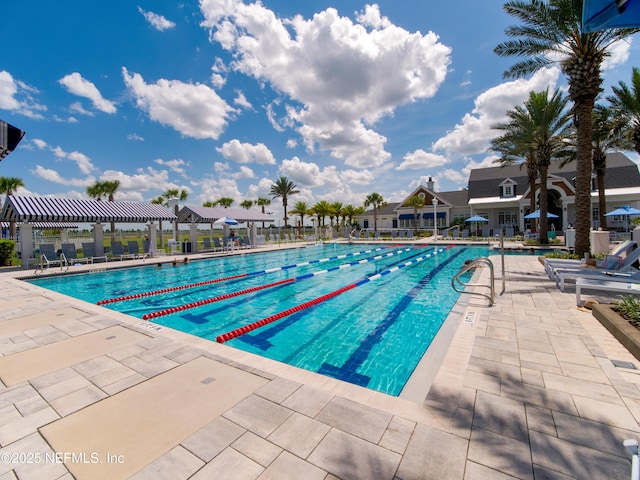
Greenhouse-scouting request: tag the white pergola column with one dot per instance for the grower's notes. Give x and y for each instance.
(193, 236)
(152, 239)
(98, 239)
(26, 243)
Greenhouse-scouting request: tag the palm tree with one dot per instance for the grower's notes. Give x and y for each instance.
(350, 211)
(246, 204)
(263, 202)
(625, 103)
(552, 33)
(106, 188)
(226, 202)
(542, 127)
(416, 202)
(606, 137)
(376, 201)
(8, 185)
(302, 209)
(283, 188)
(514, 151)
(321, 210)
(181, 195)
(210, 203)
(336, 211)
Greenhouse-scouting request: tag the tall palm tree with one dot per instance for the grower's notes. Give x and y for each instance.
(263, 202)
(8, 185)
(543, 126)
(350, 211)
(302, 209)
(551, 33)
(321, 210)
(416, 202)
(376, 201)
(106, 188)
(283, 188)
(514, 151)
(181, 195)
(246, 204)
(625, 103)
(336, 211)
(210, 203)
(606, 137)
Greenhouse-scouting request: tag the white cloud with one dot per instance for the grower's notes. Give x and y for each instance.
(41, 144)
(474, 133)
(75, 84)
(83, 162)
(244, 172)
(156, 21)
(194, 110)
(343, 75)
(135, 136)
(247, 153)
(17, 97)
(55, 177)
(241, 100)
(78, 108)
(422, 160)
(176, 165)
(144, 180)
(618, 54)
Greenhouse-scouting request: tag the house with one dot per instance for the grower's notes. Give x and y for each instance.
(503, 196)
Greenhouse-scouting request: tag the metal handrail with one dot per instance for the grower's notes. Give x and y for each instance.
(474, 264)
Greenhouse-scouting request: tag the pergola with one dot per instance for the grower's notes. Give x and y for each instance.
(194, 215)
(30, 211)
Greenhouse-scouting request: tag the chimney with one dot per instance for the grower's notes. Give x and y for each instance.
(430, 184)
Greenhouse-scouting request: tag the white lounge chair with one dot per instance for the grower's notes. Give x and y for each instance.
(608, 286)
(626, 272)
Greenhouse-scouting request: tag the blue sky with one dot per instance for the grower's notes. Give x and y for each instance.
(221, 97)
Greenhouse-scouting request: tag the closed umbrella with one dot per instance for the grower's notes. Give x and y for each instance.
(475, 219)
(624, 211)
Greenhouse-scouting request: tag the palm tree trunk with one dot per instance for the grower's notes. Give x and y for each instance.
(583, 110)
(602, 200)
(544, 205)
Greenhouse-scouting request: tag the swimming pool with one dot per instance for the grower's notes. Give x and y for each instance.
(360, 313)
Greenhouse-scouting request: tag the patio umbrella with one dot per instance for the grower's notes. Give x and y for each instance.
(603, 14)
(536, 214)
(226, 221)
(624, 211)
(475, 219)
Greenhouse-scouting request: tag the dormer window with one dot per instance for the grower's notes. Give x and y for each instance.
(508, 188)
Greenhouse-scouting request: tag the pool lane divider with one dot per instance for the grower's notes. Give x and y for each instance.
(233, 277)
(267, 320)
(348, 371)
(207, 301)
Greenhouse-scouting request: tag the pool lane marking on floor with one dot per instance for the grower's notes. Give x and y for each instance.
(261, 339)
(348, 371)
(267, 320)
(207, 301)
(232, 277)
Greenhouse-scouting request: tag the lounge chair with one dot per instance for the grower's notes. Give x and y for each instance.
(486, 232)
(465, 233)
(509, 232)
(48, 255)
(625, 272)
(71, 254)
(206, 245)
(553, 264)
(619, 286)
(217, 244)
(245, 242)
(89, 250)
(117, 250)
(134, 249)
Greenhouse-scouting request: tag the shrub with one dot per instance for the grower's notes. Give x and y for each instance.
(6, 252)
(629, 308)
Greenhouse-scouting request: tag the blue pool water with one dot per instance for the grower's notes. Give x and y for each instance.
(372, 335)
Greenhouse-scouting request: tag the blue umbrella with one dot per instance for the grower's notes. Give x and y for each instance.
(623, 211)
(226, 221)
(536, 214)
(476, 219)
(603, 14)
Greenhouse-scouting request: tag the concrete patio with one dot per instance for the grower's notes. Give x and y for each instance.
(526, 389)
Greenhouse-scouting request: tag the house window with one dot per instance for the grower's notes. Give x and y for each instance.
(507, 218)
(508, 190)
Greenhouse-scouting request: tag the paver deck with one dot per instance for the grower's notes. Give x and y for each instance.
(525, 389)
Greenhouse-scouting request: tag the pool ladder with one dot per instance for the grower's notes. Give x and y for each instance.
(478, 262)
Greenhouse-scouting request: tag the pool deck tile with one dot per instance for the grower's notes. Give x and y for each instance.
(524, 389)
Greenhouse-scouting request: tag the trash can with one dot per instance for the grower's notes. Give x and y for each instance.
(186, 247)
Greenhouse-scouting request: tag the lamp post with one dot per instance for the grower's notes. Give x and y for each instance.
(434, 201)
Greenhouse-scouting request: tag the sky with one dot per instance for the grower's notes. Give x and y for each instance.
(221, 97)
